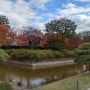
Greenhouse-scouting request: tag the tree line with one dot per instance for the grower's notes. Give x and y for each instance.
(59, 34)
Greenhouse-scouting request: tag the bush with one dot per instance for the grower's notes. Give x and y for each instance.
(68, 53)
(6, 86)
(24, 54)
(3, 55)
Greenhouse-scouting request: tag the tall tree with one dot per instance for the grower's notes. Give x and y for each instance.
(4, 20)
(65, 26)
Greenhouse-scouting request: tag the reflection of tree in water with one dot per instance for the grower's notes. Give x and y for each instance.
(28, 78)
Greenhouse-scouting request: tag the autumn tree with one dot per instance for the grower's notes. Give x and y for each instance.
(3, 33)
(11, 37)
(56, 41)
(64, 26)
(31, 35)
(4, 20)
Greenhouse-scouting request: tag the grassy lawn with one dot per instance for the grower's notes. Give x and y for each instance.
(68, 83)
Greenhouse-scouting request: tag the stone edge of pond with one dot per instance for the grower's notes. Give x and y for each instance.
(54, 63)
(42, 64)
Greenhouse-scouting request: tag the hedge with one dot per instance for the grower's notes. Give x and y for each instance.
(24, 54)
(22, 47)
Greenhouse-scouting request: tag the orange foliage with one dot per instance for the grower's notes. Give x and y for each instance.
(21, 40)
(43, 42)
(54, 36)
(11, 38)
(75, 44)
(3, 33)
(3, 28)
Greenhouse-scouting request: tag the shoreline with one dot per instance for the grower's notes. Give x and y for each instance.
(53, 63)
(42, 64)
(69, 83)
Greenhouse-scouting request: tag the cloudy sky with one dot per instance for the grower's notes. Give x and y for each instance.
(38, 12)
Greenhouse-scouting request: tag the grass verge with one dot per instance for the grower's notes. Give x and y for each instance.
(68, 83)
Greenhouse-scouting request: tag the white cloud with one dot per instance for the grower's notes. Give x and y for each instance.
(53, 16)
(71, 9)
(82, 21)
(22, 12)
(39, 4)
(83, 0)
(39, 25)
(78, 14)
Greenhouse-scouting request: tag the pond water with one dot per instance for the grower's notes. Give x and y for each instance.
(26, 78)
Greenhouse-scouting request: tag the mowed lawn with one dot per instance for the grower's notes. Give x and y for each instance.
(68, 83)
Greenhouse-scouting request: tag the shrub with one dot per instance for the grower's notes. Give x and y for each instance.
(23, 54)
(68, 53)
(3, 55)
(6, 86)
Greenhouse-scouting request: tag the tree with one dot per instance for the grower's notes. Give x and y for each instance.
(11, 37)
(64, 26)
(31, 35)
(85, 35)
(82, 54)
(4, 20)
(56, 41)
(3, 33)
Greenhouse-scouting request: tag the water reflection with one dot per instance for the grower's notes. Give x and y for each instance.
(37, 82)
(26, 77)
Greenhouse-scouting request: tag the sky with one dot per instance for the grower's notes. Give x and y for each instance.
(36, 13)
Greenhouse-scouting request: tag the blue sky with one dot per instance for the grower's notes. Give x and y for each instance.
(38, 12)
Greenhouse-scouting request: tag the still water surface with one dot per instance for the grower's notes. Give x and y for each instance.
(26, 78)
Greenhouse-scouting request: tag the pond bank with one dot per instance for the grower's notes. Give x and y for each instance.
(54, 63)
(69, 83)
(42, 64)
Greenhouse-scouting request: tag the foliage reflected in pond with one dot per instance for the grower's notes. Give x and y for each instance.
(26, 77)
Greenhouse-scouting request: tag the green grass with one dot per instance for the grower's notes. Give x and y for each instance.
(68, 83)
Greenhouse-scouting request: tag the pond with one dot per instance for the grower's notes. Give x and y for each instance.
(26, 78)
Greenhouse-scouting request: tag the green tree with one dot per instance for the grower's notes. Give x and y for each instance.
(85, 35)
(82, 54)
(64, 26)
(4, 20)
